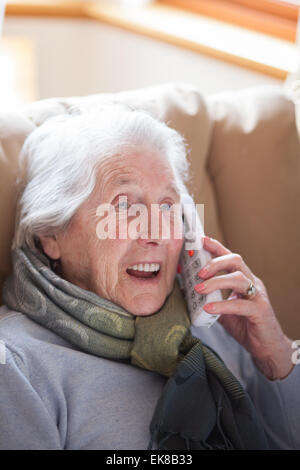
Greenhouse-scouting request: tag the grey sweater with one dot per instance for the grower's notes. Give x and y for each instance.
(53, 396)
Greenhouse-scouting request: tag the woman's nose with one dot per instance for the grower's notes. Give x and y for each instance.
(148, 237)
(147, 242)
(153, 232)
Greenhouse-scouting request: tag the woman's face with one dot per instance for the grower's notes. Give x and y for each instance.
(103, 265)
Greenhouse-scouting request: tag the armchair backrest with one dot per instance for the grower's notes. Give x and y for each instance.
(244, 155)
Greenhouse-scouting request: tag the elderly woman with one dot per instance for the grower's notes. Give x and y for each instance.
(100, 353)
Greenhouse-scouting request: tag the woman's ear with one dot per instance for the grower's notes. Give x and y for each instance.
(50, 246)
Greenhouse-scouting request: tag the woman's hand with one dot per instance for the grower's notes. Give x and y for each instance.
(251, 321)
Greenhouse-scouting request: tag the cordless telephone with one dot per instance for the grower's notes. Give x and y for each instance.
(192, 259)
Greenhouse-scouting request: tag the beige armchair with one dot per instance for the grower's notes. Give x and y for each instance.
(244, 152)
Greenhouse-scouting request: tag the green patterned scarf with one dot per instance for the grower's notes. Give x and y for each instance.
(202, 406)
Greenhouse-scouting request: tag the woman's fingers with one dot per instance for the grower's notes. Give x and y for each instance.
(214, 247)
(231, 307)
(237, 281)
(231, 262)
(223, 260)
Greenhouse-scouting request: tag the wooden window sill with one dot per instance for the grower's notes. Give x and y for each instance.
(271, 17)
(45, 8)
(256, 51)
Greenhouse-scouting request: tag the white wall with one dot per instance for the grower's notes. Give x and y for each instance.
(78, 57)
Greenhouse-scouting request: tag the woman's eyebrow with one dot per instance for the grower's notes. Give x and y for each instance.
(129, 181)
(120, 182)
(173, 187)
(124, 181)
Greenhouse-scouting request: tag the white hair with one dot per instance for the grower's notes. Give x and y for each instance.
(63, 154)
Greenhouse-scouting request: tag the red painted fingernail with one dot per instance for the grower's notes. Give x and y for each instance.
(210, 307)
(203, 271)
(179, 269)
(200, 287)
(191, 252)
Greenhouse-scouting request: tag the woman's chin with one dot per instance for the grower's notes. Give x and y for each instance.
(144, 302)
(144, 307)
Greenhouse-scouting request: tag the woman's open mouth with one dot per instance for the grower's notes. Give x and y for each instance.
(144, 271)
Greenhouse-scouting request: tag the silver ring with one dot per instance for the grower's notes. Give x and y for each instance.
(251, 291)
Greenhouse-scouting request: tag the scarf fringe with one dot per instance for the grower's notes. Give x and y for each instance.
(227, 444)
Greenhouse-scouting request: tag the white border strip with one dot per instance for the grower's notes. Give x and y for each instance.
(2, 13)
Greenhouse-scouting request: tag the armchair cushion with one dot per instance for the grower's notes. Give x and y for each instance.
(254, 165)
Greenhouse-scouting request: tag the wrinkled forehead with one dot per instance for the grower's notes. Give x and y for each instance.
(136, 170)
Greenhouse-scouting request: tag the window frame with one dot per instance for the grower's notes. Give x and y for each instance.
(138, 23)
(273, 17)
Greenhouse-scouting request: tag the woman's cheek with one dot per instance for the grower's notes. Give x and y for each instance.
(177, 246)
(121, 226)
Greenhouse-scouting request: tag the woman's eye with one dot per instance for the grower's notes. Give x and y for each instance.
(166, 206)
(123, 205)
